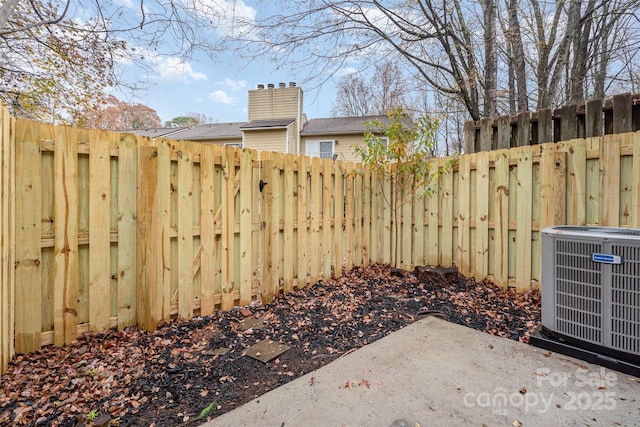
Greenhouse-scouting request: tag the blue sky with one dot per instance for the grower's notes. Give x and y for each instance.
(218, 87)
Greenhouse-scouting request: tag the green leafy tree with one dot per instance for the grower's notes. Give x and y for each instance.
(400, 152)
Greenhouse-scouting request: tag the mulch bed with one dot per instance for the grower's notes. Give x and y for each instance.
(190, 372)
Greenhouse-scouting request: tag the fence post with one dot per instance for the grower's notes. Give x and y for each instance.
(7, 238)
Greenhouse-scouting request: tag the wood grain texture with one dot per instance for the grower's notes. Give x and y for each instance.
(99, 230)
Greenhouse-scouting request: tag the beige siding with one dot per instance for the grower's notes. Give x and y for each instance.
(278, 103)
(343, 148)
(266, 139)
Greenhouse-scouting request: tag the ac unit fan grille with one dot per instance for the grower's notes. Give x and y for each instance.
(625, 300)
(578, 290)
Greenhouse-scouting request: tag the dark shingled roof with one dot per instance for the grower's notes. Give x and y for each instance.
(155, 132)
(261, 124)
(340, 125)
(212, 131)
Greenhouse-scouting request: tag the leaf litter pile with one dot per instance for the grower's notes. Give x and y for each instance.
(189, 372)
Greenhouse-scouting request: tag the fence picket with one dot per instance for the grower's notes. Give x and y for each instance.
(482, 215)
(446, 236)
(247, 259)
(66, 236)
(303, 221)
(185, 232)
(327, 213)
(99, 230)
(339, 218)
(8, 239)
(288, 213)
(127, 212)
(523, 221)
(501, 221)
(464, 209)
(28, 295)
(316, 203)
(610, 180)
(207, 231)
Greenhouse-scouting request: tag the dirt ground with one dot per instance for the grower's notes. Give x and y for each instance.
(190, 372)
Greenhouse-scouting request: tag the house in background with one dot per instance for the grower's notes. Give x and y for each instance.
(277, 123)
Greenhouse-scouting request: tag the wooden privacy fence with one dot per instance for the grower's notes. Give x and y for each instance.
(107, 230)
(596, 117)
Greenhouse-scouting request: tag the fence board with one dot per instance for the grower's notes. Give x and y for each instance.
(289, 215)
(482, 215)
(376, 219)
(501, 221)
(316, 203)
(406, 224)
(28, 295)
(523, 221)
(349, 243)
(366, 215)
(303, 221)
(66, 236)
(446, 236)
(99, 230)
(208, 254)
(247, 260)
(163, 230)
(339, 218)
(464, 208)
(185, 233)
(354, 218)
(610, 180)
(149, 311)
(8, 237)
(327, 213)
(388, 240)
(433, 203)
(418, 230)
(577, 176)
(127, 212)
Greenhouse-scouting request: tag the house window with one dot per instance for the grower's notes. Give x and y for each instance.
(233, 144)
(322, 149)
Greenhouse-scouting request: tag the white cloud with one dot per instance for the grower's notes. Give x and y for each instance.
(221, 97)
(346, 71)
(175, 70)
(234, 85)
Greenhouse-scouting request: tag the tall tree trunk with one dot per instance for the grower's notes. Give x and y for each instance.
(581, 39)
(517, 57)
(491, 59)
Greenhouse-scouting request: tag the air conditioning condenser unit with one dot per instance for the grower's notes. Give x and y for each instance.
(591, 294)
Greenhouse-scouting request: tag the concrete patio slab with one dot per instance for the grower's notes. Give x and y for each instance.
(436, 373)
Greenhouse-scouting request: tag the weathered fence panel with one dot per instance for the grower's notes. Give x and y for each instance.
(615, 115)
